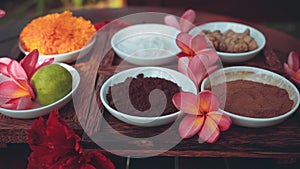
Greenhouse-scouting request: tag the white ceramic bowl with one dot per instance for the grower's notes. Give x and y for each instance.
(257, 75)
(64, 57)
(239, 28)
(181, 80)
(44, 110)
(146, 44)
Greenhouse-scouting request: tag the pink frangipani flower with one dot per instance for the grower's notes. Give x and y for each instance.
(291, 68)
(195, 45)
(196, 60)
(16, 91)
(202, 116)
(185, 23)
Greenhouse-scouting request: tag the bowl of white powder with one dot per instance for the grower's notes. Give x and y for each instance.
(146, 44)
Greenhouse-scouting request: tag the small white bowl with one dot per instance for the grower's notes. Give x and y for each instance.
(64, 57)
(44, 110)
(257, 75)
(181, 80)
(239, 28)
(146, 44)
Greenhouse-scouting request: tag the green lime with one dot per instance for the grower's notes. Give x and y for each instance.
(51, 83)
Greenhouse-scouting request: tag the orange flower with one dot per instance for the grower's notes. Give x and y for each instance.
(203, 116)
(57, 33)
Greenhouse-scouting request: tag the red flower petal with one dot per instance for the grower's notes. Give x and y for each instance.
(98, 160)
(55, 146)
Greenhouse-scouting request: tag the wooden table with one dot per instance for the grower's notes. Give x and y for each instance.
(280, 141)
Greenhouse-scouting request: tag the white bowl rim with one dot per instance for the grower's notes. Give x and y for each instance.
(249, 68)
(89, 44)
(74, 88)
(104, 100)
(262, 36)
(114, 44)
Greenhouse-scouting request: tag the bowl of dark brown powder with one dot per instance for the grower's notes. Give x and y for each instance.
(142, 96)
(253, 97)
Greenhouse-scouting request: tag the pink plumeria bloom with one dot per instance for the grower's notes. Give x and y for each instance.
(16, 91)
(202, 116)
(291, 68)
(196, 60)
(191, 46)
(2, 13)
(185, 23)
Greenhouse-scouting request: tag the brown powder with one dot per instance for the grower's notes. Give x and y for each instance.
(253, 99)
(146, 97)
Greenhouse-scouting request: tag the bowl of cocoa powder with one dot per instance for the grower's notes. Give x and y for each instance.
(234, 42)
(142, 96)
(253, 97)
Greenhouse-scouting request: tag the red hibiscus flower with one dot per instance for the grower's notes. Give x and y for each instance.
(55, 146)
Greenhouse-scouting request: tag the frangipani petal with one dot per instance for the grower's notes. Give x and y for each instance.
(223, 121)
(211, 54)
(186, 102)
(16, 71)
(190, 125)
(46, 62)
(172, 21)
(293, 61)
(17, 104)
(3, 65)
(29, 62)
(208, 101)
(24, 103)
(186, 20)
(210, 131)
(183, 41)
(296, 77)
(197, 70)
(183, 63)
(4, 78)
(19, 76)
(288, 70)
(10, 90)
(198, 43)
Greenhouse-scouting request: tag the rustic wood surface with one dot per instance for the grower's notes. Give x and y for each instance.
(280, 141)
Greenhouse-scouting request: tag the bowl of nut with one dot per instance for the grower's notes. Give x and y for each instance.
(234, 42)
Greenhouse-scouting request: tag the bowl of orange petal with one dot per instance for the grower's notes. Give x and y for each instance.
(61, 36)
